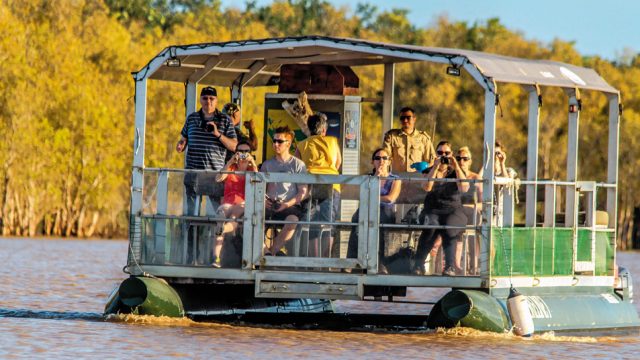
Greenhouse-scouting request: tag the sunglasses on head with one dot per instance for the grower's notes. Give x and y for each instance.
(405, 117)
(380, 158)
(279, 141)
(465, 158)
(443, 152)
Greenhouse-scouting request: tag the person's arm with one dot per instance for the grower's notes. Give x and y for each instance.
(393, 193)
(226, 139)
(253, 138)
(431, 175)
(227, 167)
(430, 154)
(182, 144)
(338, 160)
(386, 144)
(463, 186)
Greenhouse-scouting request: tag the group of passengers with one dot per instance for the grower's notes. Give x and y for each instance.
(211, 137)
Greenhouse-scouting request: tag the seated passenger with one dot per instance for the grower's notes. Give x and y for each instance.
(321, 155)
(442, 200)
(283, 200)
(233, 201)
(471, 207)
(389, 192)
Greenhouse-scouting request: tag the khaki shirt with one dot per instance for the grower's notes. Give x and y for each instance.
(408, 149)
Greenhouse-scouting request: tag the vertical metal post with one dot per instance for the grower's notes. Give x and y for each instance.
(387, 104)
(162, 193)
(190, 97)
(236, 97)
(571, 211)
(532, 156)
(137, 176)
(612, 158)
(488, 180)
(372, 225)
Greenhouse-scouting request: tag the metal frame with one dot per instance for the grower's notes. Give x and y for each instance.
(358, 52)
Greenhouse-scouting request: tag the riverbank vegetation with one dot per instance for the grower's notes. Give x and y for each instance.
(66, 98)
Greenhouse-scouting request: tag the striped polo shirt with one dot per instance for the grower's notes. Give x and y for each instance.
(204, 151)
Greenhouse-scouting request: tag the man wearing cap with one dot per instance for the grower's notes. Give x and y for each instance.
(207, 135)
(408, 145)
(233, 111)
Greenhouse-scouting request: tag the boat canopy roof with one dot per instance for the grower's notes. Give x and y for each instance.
(258, 62)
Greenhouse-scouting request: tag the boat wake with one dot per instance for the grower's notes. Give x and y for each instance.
(51, 315)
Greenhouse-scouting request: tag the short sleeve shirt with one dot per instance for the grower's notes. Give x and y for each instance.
(406, 149)
(204, 151)
(283, 191)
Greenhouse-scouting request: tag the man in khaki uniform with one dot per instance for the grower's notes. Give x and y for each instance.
(408, 145)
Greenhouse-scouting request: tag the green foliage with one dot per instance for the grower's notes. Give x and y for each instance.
(67, 98)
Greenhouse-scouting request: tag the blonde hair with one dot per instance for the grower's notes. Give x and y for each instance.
(465, 149)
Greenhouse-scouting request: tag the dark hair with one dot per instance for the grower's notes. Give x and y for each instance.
(499, 144)
(317, 123)
(376, 151)
(243, 142)
(407, 108)
(444, 142)
(285, 130)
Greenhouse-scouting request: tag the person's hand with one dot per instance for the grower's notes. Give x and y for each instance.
(248, 124)
(501, 156)
(215, 131)
(268, 203)
(181, 145)
(454, 162)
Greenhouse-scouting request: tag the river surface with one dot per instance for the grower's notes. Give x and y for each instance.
(53, 293)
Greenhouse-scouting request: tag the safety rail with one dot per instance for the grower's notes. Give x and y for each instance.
(174, 242)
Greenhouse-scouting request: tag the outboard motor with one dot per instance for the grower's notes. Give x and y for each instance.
(518, 308)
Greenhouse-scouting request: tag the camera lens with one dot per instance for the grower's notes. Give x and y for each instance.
(444, 160)
(209, 128)
(243, 156)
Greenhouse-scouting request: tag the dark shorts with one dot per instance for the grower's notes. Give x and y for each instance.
(281, 215)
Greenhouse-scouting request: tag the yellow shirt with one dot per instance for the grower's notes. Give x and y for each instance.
(406, 149)
(320, 154)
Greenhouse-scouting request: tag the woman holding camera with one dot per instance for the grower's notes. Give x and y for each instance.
(233, 201)
(442, 201)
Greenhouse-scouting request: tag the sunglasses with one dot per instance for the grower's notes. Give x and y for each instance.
(208, 98)
(279, 141)
(465, 158)
(405, 117)
(443, 153)
(380, 158)
(243, 151)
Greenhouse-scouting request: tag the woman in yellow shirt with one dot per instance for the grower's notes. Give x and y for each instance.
(321, 155)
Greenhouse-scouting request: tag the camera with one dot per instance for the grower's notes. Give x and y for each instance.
(276, 205)
(444, 160)
(243, 156)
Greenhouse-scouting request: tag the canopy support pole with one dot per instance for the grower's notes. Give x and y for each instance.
(488, 180)
(532, 155)
(387, 104)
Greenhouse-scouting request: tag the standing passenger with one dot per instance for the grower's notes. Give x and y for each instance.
(408, 145)
(233, 111)
(321, 155)
(207, 135)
